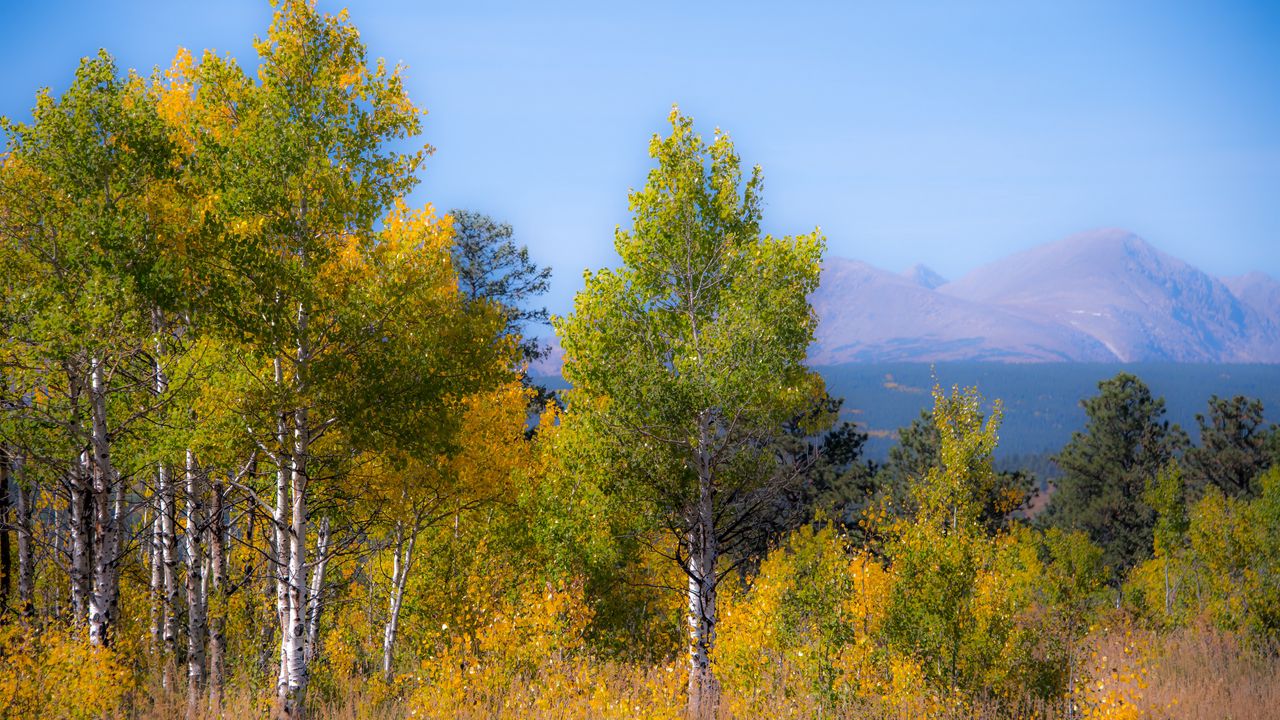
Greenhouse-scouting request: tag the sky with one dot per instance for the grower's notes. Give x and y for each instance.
(945, 133)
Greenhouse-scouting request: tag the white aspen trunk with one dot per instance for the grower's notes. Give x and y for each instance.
(167, 519)
(283, 543)
(196, 608)
(78, 513)
(218, 582)
(78, 497)
(295, 635)
(6, 522)
(108, 505)
(155, 555)
(704, 691)
(315, 602)
(399, 575)
(166, 535)
(26, 547)
(155, 563)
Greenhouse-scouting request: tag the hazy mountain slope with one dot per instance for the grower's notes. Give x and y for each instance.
(870, 315)
(1142, 304)
(924, 276)
(1101, 296)
(1258, 291)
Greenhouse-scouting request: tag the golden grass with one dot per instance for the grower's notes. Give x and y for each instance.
(1194, 674)
(1205, 674)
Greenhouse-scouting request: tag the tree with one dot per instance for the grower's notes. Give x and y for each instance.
(833, 481)
(1166, 494)
(690, 357)
(916, 451)
(344, 299)
(1232, 452)
(492, 268)
(937, 558)
(919, 449)
(75, 199)
(1106, 469)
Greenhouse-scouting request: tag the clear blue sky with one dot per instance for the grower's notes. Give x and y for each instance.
(948, 133)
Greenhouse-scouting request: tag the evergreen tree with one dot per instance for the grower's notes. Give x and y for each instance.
(492, 267)
(1107, 467)
(1233, 447)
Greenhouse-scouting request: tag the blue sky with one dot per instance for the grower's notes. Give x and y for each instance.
(947, 133)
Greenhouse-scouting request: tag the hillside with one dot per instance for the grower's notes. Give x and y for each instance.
(1102, 296)
(1041, 401)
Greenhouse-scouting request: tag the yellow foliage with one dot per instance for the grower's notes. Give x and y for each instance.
(810, 616)
(1113, 680)
(528, 659)
(54, 674)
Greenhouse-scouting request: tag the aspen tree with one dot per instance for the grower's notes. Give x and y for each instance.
(690, 358)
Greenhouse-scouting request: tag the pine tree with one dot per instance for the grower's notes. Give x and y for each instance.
(1106, 468)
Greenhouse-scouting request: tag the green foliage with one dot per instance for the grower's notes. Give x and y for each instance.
(837, 482)
(234, 249)
(918, 450)
(1233, 447)
(915, 452)
(1166, 494)
(1218, 561)
(691, 354)
(492, 268)
(1106, 469)
(933, 612)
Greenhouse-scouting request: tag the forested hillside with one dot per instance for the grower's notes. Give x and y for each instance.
(268, 447)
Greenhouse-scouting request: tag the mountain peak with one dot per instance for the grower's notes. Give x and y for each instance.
(924, 276)
(1101, 295)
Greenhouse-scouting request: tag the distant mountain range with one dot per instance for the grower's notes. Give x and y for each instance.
(1102, 296)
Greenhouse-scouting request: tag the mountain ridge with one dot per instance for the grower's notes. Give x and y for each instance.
(1102, 296)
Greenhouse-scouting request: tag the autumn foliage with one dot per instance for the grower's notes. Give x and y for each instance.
(262, 452)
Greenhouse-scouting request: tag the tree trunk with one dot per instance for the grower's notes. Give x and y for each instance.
(81, 532)
(154, 551)
(704, 691)
(6, 557)
(156, 564)
(108, 500)
(167, 520)
(26, 547)
(315, 602)
(196, 608)
(295, 631)
(399, 575)
(218, 582)
(283, 540)
(164, 575)
(79, 528)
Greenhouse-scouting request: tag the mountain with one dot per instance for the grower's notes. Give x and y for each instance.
(1100, 296)
(924, 276)
(871, 315)
(1258, 291)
